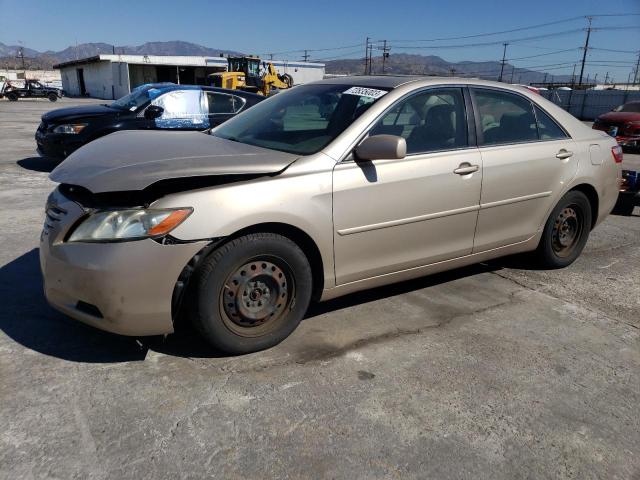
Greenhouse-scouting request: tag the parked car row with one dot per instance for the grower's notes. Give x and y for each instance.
(322, 190)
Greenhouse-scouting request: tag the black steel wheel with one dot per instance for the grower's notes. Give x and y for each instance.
(566, 231)
(256, 296)
(251, 293)
(52, 97)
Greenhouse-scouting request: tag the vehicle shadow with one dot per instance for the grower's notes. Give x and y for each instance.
(38, 164)
(187, 343)
(27, 319)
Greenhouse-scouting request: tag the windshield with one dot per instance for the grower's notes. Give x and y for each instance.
(628, 107)
(302, 120)
(137, 98)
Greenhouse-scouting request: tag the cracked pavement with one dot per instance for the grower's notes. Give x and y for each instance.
(494, 371)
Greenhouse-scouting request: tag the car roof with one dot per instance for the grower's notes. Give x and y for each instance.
(394, 81)
(167, 86)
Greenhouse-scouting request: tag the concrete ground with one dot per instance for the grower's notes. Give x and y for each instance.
(495, 371)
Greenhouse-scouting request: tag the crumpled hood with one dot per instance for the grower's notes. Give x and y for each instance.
(133, 160)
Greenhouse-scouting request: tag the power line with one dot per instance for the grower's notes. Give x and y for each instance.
(543, 54)
(498, 42)
(520, 29)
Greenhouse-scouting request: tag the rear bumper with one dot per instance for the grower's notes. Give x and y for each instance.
(124, 288)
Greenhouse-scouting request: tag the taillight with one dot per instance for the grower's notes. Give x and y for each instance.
(617, 153)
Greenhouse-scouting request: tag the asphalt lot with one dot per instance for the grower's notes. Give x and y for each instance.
(495, 371)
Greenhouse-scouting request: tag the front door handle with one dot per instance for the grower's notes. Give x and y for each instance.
(466, 168)
(562, 154)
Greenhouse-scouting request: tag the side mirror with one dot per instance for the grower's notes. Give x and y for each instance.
(381, 147)
(153, 111)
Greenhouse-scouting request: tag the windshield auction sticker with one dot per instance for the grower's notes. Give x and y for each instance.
(365, 92)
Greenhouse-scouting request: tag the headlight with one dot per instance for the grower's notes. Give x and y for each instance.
(132, 224)
(72, 128)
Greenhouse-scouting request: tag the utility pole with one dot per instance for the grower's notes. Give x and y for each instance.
(513, 69)
(586, 47)
(20, 55)
(305, 57)
(606, 78)
(636, 77)
(271, 56)
(545, 78)
(366, 56)
(385, 54)
(370, 58)
(595, 79)
(504, 54)
(573, 76)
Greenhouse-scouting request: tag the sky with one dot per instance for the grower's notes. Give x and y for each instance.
(288, 27)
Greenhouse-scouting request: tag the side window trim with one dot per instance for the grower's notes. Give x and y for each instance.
(472, 128)
(560, 127)
(241, 100)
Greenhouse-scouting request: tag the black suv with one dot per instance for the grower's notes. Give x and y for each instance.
(150, 106)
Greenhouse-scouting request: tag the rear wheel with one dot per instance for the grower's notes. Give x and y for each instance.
(251, 293)
(52, 97)
(566, 231)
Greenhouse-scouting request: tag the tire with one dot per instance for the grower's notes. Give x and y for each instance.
(251, 293)
(12, 97)
(288, 79)
(624, 206)
(52, 97)
(566, 231)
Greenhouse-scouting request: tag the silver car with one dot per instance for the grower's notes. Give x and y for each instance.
(322, 190)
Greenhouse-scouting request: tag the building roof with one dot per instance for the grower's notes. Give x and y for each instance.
(182, 60)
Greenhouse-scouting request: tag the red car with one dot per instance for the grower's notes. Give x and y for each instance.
(622, 122)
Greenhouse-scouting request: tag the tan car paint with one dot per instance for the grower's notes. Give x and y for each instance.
(386, 221)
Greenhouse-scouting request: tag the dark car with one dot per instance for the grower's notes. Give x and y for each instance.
(148, 107)
(623, 123)
(31, 89)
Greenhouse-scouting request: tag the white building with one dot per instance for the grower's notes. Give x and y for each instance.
(113, 76)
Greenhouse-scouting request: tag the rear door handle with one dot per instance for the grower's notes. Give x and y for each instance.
(562, 154)
(466, 168)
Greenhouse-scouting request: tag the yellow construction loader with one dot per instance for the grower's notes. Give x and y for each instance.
(251, 74)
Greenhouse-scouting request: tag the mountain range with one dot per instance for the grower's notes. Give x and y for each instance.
(402, 64)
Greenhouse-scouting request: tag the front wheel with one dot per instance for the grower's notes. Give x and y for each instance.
(251, 293)
(12, 97)
(566, 231)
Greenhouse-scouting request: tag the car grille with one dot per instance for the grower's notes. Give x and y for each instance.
(53, 215)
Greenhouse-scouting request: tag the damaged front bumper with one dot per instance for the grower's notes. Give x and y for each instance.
(124, 287)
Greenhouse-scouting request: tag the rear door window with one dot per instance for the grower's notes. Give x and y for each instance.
(223, 103)
(505, 117)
